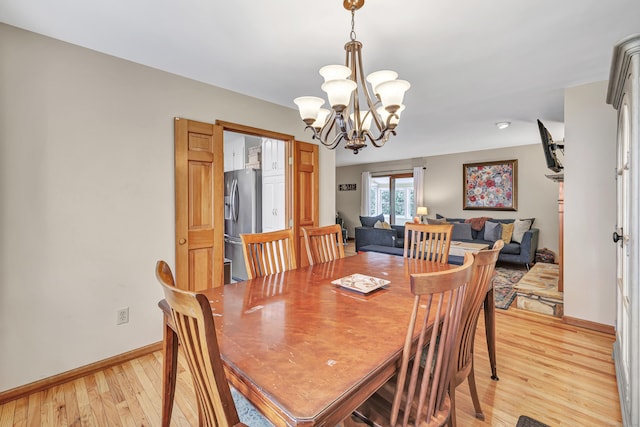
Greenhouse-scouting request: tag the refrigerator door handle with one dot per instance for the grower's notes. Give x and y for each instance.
(231, 197)
(232, 240)
(234, 200)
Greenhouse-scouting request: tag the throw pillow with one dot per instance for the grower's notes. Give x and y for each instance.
(520, 226)
(492, 231)
(436, 221)
(454, 219)
(370, 221)
(461, 231)
(438, 216)
(529, 219)
(507, 232)
(382, 224)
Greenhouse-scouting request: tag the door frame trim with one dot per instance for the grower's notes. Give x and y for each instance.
(236, 127)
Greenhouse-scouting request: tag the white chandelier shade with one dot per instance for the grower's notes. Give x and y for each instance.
(381, 76)
(309, 107)
(339, 92)
(335, 72)
(391, 93)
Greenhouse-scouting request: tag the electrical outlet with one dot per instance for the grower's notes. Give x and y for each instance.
(122, 316)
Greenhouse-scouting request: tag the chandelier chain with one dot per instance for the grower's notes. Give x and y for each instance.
(353, 23)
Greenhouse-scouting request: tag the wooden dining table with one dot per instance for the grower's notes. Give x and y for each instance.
(304, 350)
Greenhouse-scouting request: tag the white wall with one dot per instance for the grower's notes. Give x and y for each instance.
(537, 195)
(327, 196)
(590, 204)
(86, 189)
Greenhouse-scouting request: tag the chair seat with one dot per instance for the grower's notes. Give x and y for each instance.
(377, 409)
(512, 248)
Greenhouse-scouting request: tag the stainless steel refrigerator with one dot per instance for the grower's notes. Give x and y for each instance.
(242, 214)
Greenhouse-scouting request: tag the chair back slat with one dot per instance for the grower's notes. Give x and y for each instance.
(268, 253)
(422, 390)
(482, 274)
(323, 244)
(427, 241)
(196, 332)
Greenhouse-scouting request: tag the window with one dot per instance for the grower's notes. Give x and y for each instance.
(393, 196)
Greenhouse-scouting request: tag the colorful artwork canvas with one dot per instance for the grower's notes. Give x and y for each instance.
(490, 185)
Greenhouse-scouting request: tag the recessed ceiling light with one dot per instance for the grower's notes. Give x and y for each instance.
(503, 125)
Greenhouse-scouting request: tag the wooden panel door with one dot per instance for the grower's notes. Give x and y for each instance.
(305, 194)
(199, 190)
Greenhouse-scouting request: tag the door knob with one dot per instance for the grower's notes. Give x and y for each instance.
(182, 241)
(616, 237)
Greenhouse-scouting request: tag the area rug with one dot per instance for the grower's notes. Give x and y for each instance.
(525, 421)
(503, 283)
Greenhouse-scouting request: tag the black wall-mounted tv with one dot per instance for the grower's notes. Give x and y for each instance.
(550, 148)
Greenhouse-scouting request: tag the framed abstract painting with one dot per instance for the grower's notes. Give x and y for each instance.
(490, 186)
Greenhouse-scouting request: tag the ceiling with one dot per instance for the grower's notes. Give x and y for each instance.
(471, 63)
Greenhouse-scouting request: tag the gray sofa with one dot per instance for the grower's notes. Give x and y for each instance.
(519, 252)
(369, 238)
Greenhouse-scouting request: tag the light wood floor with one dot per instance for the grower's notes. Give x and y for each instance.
(559, 374)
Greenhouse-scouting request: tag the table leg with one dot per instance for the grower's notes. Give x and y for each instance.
(490, 330)
(169, 371)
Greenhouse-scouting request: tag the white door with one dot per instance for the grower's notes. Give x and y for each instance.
(624, 95)
(268, 194)
(279, 212)
(273, 203)
(623, 253)
(273, 184)
(234, 156)
(273, 161)
(278, 154)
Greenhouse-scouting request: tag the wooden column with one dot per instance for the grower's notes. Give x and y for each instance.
(561, 236)
(559, 178)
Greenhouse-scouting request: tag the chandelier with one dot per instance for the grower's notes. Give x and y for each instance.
(346, 90)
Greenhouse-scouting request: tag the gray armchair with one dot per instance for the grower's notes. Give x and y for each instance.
(366, 236)
(369, 235)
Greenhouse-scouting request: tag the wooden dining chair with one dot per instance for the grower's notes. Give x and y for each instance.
(323, 244)
(196, 332)
(268, 253)
(482, 274)
(191, 313)
(418, 395)
(427, 241)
